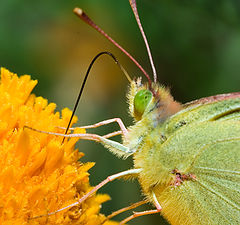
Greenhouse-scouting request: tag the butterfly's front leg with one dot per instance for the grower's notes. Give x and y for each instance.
(123, 129)
(113, 146)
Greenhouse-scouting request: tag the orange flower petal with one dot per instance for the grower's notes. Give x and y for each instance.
(38, 173)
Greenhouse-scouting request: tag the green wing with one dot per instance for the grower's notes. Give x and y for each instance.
(219, 180)
(211, 152)
(203, 140)
(204, 111)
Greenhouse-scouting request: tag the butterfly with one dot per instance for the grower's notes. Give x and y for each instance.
(186, 156)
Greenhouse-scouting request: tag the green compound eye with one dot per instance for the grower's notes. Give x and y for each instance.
(141, 101)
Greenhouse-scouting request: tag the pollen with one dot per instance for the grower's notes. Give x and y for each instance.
(38, 173)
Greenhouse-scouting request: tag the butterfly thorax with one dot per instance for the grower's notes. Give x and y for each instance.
(150, 110)
(155, 171)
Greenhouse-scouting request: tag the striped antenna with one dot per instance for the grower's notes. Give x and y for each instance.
(134, 9)
(82, 15)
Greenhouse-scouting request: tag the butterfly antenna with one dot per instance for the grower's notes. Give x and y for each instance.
(82, 15)
(134, 9)
(85, 80)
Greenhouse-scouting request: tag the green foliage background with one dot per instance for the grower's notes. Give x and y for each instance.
(195, 45)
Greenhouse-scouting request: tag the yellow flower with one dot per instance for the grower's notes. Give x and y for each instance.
(38, 174)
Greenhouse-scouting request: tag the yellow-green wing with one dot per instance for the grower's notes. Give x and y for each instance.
(205, 109)
(211, 152)
(203, 140)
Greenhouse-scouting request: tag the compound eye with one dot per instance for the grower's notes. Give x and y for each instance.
(141, 101)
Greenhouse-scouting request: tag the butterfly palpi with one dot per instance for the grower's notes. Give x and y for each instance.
(186, 156)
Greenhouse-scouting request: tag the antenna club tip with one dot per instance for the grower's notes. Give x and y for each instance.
(78, 11)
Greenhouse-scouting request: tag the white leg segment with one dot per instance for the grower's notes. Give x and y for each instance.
(102, 123)
(113, 146)
(107, 180)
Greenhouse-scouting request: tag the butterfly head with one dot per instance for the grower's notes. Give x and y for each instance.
(155, 100)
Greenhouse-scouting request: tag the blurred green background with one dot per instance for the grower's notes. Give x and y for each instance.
(195, 46)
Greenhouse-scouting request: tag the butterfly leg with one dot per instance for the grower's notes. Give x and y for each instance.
(107, 180)
(133, 206)
(143, 213)
(115, 133)
(117, 120)
(105, 122)
(113, 146)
